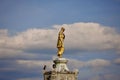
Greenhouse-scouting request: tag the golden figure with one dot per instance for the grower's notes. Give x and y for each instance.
(60, 42)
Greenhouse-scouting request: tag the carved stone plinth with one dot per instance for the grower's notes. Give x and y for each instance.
(60, 65)
(60, 71)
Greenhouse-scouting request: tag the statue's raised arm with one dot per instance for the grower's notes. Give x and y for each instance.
(60, 42)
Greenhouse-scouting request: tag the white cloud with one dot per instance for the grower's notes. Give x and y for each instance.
(6, 53)
(3, 37)
(32, 64)
(91, 36)
(9, 53)
(117, 61)
(72, 63)
(98, 63)
(75, 64)
(3, 32)
(87, 36)
(84, 36)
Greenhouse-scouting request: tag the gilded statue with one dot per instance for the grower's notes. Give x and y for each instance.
(60, 42)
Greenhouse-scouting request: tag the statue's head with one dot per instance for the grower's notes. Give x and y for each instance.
(63, 29)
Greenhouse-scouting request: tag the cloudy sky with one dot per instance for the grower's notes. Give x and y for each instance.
(28, 36)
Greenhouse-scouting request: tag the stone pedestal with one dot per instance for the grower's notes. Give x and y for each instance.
(60, 71)
(60, 65)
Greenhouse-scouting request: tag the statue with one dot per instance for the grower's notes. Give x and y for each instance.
(60, 42)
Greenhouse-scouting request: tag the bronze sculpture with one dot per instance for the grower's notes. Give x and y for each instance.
(60, 42)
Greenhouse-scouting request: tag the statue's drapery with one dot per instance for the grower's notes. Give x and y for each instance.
(60, 42)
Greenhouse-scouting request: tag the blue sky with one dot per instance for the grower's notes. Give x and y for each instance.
(21, 15)
(28, 36)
